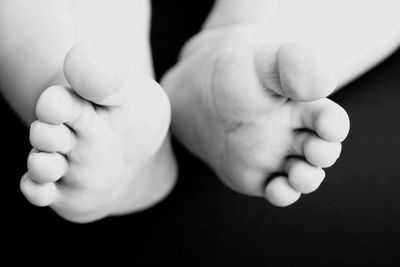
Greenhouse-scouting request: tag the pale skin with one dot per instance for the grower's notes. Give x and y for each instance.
(98, 123)
(99, 134)
(254, 110)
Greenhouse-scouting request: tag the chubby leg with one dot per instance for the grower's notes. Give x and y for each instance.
(36, 35)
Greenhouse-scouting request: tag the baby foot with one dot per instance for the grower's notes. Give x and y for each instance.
(100, 147)
(257, 114)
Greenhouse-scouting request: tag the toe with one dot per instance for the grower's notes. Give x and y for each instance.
(329, 120)
(298, 70)
(304, 177)
(321, 153)
(90, 80)
(332, 122)
(38, 194)
(111, 86)
(317, 151)
(46, 167)
(280, 193)
(51, 137)
(301, 74)
(57, 105)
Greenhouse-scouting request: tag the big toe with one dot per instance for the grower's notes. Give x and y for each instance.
(88, 78)
(111, 86)
(301, 74)
(297, 73)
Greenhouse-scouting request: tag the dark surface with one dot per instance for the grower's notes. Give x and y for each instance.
(354, 218)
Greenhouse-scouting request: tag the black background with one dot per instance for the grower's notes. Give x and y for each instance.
(354, 218)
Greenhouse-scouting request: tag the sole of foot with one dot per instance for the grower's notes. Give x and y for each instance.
(100, 146)
(258, 115)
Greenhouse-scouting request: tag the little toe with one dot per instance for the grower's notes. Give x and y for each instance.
(38, 194)
(58, 105)
(304, 177)
(51, 137)
(46, 167)
(280, 193)
(329, 120)
(301, 75)
(317, 151)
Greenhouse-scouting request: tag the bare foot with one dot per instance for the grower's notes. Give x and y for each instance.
(256, 113)
(100, 147)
